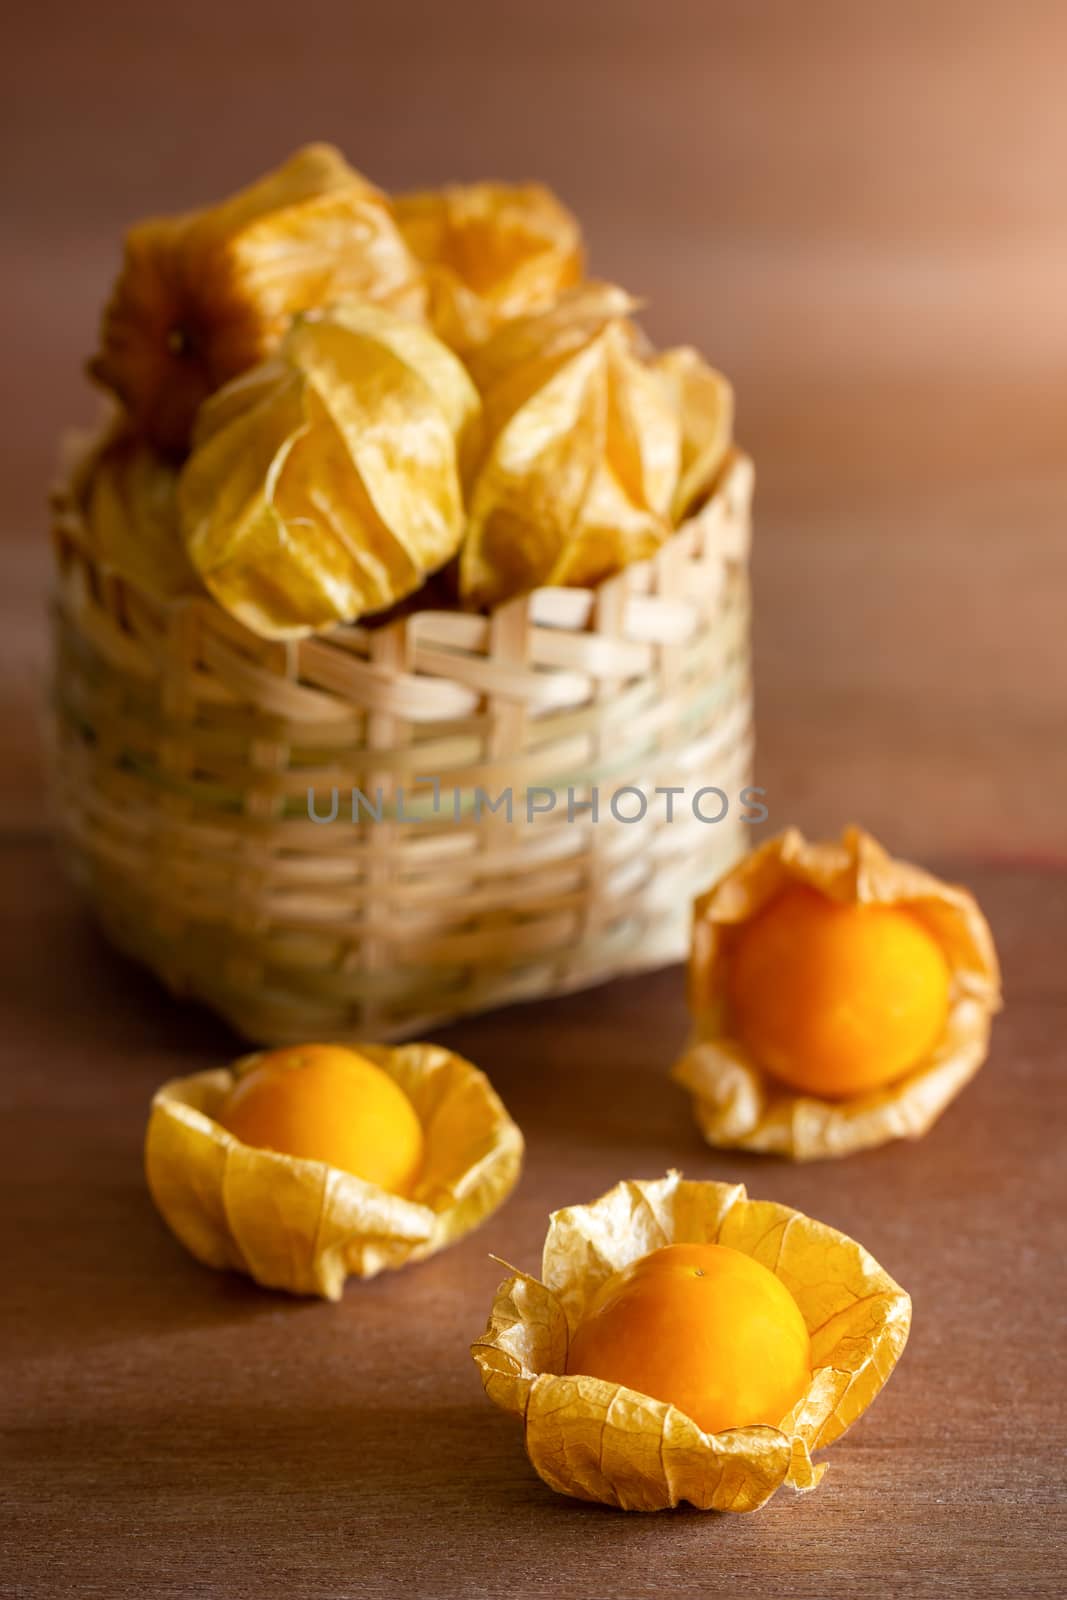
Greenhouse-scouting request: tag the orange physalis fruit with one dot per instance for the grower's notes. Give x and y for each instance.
(702, 1327)
(582, 452)
(204, 296)
(836, 998)
(704, 402)
(327, 1103)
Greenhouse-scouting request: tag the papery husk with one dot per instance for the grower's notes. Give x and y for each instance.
(327, 483)
(122, 496)
(489, 251)
(204, 296)
(582, 462)
(599, 1441)
(704, 402)
(736, 1102)
(527, 351)
(304, 1226)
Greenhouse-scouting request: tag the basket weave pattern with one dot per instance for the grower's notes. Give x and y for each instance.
(184, 749)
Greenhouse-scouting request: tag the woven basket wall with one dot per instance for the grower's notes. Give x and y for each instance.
(184, 748)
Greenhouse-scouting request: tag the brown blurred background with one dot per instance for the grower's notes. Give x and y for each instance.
(857, 210)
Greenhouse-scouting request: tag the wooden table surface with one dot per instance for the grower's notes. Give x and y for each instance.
(171, 1431)
(856, 211)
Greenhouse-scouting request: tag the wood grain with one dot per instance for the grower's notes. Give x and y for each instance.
(857, 212)
(175, 1432)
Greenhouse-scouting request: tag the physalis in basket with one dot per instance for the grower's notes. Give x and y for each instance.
(122, 500)
(328, 482)
(293, 356)
(204, 296)
(840, 998)
(489, 252)
(327, 1103)
(304, 1165)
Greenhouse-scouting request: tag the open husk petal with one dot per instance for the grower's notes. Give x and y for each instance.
(599, 1441)
(736, 1102)
(489, 251)
(304, 1226)
(328, 483)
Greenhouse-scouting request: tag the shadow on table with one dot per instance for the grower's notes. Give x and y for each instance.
(103, 1270)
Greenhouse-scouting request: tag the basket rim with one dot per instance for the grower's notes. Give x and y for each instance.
(552, 605)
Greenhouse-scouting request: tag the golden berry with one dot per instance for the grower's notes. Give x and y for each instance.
(704, 1328)
(327, 1103)
(837, 999)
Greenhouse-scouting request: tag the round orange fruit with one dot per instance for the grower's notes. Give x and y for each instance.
(837, 999)
(327, 1103)
(701, 1327)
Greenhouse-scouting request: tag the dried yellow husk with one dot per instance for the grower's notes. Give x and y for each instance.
(489, 251)
(582, 461)
(327, 483)
(304, 1226)
(599, 1441)
(736, 1102)
(526, 352)
(121, 497)
(704, 402)
(204, 296)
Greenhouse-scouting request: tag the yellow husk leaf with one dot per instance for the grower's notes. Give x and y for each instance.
(489, 251)
(526, 352)
(204, 296)
(304, 1226)
(579, 479)
(122, 496)
(328, 482)
(704, 402)
(739, 1105)
(598, 1441)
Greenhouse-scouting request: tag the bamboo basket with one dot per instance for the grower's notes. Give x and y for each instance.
(184, 748)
